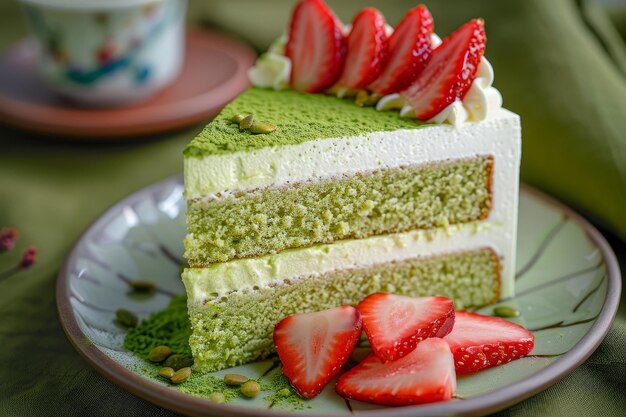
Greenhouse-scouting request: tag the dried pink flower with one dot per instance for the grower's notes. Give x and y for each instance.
(28, 258)
(8, 236)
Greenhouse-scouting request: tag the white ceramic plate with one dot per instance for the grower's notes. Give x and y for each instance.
(568, 288)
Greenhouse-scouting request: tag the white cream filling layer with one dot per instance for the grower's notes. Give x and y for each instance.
(220, 279)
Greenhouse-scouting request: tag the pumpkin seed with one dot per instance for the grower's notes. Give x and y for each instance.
(181, 375)
(159, 353)
(166, 372)
(126, 318)
(217, 397)
(363, 98)
(373, 99)
(246, 122)
(178, 361)
(237, 118)
(235, 379)
(260, 128)
(250, 389)
(505, 311)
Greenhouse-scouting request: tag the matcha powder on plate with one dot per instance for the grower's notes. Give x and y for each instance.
(169, 327)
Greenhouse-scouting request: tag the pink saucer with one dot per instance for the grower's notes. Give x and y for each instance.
(213, 74)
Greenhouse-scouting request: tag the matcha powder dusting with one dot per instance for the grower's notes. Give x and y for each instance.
(282, 394)
(169, 327)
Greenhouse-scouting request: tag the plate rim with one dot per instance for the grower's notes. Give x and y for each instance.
(490, 402)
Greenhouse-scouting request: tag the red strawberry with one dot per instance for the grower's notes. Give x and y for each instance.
(316, 46)
(450, 71)
(478, 342)
(314, 346)
(395, 324)
(367, 49)
(425, 375)
(409, 51)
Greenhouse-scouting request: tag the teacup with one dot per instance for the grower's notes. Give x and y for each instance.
(107, 52)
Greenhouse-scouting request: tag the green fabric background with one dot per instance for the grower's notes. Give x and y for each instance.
(559, 63)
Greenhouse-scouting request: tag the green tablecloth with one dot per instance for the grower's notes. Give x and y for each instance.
(51, 190)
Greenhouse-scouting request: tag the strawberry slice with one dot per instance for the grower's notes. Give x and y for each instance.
(450, 71)
(314, 346)
(425, 375)
(478, 342)
(367, 49)
(409, 51)
(316, 46)
(395, 324)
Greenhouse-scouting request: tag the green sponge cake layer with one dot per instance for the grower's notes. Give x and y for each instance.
(273, 219)
(300, 117)
(237, 328)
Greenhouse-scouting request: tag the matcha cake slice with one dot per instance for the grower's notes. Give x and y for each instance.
(339, 202)
(317, 192)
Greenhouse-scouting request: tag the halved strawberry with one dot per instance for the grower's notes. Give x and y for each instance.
(316, 46)
(367, 49)
(450, 71)
(314, 346)
(478, 342)
(409, 51)
(425, 375)
(395, 324)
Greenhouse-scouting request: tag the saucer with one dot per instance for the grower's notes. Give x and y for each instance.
(213, 74)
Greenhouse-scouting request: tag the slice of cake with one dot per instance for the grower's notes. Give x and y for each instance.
(342, 201)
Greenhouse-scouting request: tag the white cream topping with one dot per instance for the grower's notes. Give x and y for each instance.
(454, 114)
(272, 69)
(482, 99)
(478, 104)
(435, 40)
